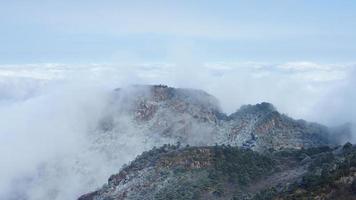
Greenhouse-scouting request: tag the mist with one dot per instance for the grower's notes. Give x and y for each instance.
(51, 143)
(338, 105)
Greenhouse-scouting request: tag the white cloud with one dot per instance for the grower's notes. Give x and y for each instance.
(251, 81)
(47, 110)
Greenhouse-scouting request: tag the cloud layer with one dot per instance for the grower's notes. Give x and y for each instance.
(49, 113)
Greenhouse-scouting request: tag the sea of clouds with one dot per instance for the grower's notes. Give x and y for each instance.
(50, 112)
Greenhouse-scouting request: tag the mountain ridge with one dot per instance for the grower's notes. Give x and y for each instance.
(193, 119)
(179, 113)
(226, 172)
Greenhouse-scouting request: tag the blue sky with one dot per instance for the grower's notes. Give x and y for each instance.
(165, 31)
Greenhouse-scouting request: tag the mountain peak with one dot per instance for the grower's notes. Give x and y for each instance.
(263, 107)
(160, 114)
(194, 117)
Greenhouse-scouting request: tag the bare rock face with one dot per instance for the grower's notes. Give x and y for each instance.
(194, 117)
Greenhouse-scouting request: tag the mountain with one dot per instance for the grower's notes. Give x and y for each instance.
(226, 172)
(253, 153)
(194, 117)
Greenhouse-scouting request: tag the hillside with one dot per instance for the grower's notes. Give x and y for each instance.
(225, 172)
(138, 118)
(194, 117)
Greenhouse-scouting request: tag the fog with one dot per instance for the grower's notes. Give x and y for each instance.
(50, 145)
(338, 105)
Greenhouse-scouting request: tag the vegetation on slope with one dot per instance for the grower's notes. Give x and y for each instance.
(225, 172)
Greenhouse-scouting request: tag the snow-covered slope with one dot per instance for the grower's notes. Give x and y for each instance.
(194, 117)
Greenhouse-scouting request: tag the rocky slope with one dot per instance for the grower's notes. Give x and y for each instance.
(225, 172)
(225, 148)
(138, 118)
(193, 117)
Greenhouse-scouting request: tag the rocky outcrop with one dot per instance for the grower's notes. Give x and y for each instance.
(194, 117)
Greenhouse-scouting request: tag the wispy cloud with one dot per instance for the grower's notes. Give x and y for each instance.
(49, 112)
(251, 82)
